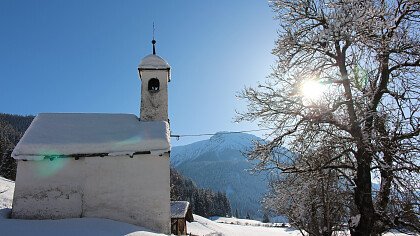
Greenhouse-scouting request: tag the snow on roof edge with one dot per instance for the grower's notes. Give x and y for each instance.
(153, 61)
(179, 209)
(123, 134)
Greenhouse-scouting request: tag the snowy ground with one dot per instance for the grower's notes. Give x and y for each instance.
(220, 226)
(243, 227)
(6, 192)
(246, 222)
(203, 226)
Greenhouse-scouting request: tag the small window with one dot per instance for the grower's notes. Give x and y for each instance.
(153, 84)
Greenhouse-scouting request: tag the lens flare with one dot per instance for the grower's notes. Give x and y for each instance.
(128, 141)
(49, 167)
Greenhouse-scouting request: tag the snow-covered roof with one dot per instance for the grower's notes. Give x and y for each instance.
(153, 62)
(73, 134)
(179, 209)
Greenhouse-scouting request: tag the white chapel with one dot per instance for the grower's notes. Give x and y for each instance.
(113, 166)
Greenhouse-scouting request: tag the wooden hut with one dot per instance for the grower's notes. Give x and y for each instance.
(180, 213)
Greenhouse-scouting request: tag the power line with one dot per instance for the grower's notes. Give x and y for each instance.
(177, 136)
(211, 134)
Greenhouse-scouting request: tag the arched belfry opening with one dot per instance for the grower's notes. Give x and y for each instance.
(153, 85)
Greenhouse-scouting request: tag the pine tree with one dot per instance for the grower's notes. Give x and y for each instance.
(266, 219)
(12, 128)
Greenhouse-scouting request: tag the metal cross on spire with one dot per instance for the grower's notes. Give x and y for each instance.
(154, 41)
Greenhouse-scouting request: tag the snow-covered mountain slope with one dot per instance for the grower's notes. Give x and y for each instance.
(218, 143)
(219, 164)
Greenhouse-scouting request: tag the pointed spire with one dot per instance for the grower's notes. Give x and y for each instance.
(154, 41)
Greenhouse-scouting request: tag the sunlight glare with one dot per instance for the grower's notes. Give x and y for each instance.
(312, 90)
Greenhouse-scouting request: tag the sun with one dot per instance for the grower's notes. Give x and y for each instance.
(311, 90)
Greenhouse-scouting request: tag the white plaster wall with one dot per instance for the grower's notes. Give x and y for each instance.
(133, 190)
(48, 189)
(154, 105)
(138, 188)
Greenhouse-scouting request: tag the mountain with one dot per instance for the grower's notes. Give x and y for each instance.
(219, 164)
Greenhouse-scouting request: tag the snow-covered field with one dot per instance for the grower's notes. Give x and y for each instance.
(246, 222)
(243, 227)
(220, 226)
(203, 226)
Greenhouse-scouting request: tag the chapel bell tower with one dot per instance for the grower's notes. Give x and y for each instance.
(154, 74)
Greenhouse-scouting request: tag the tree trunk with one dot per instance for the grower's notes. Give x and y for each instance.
(363, 195)
(363, 190)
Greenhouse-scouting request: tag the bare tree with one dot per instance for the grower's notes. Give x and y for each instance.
(315, 200)
(365, 57)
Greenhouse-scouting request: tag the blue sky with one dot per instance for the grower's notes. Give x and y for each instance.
(82, 56)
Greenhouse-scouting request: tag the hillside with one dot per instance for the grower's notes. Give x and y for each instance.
(219, 164)
(204, 202)
(12, 127)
